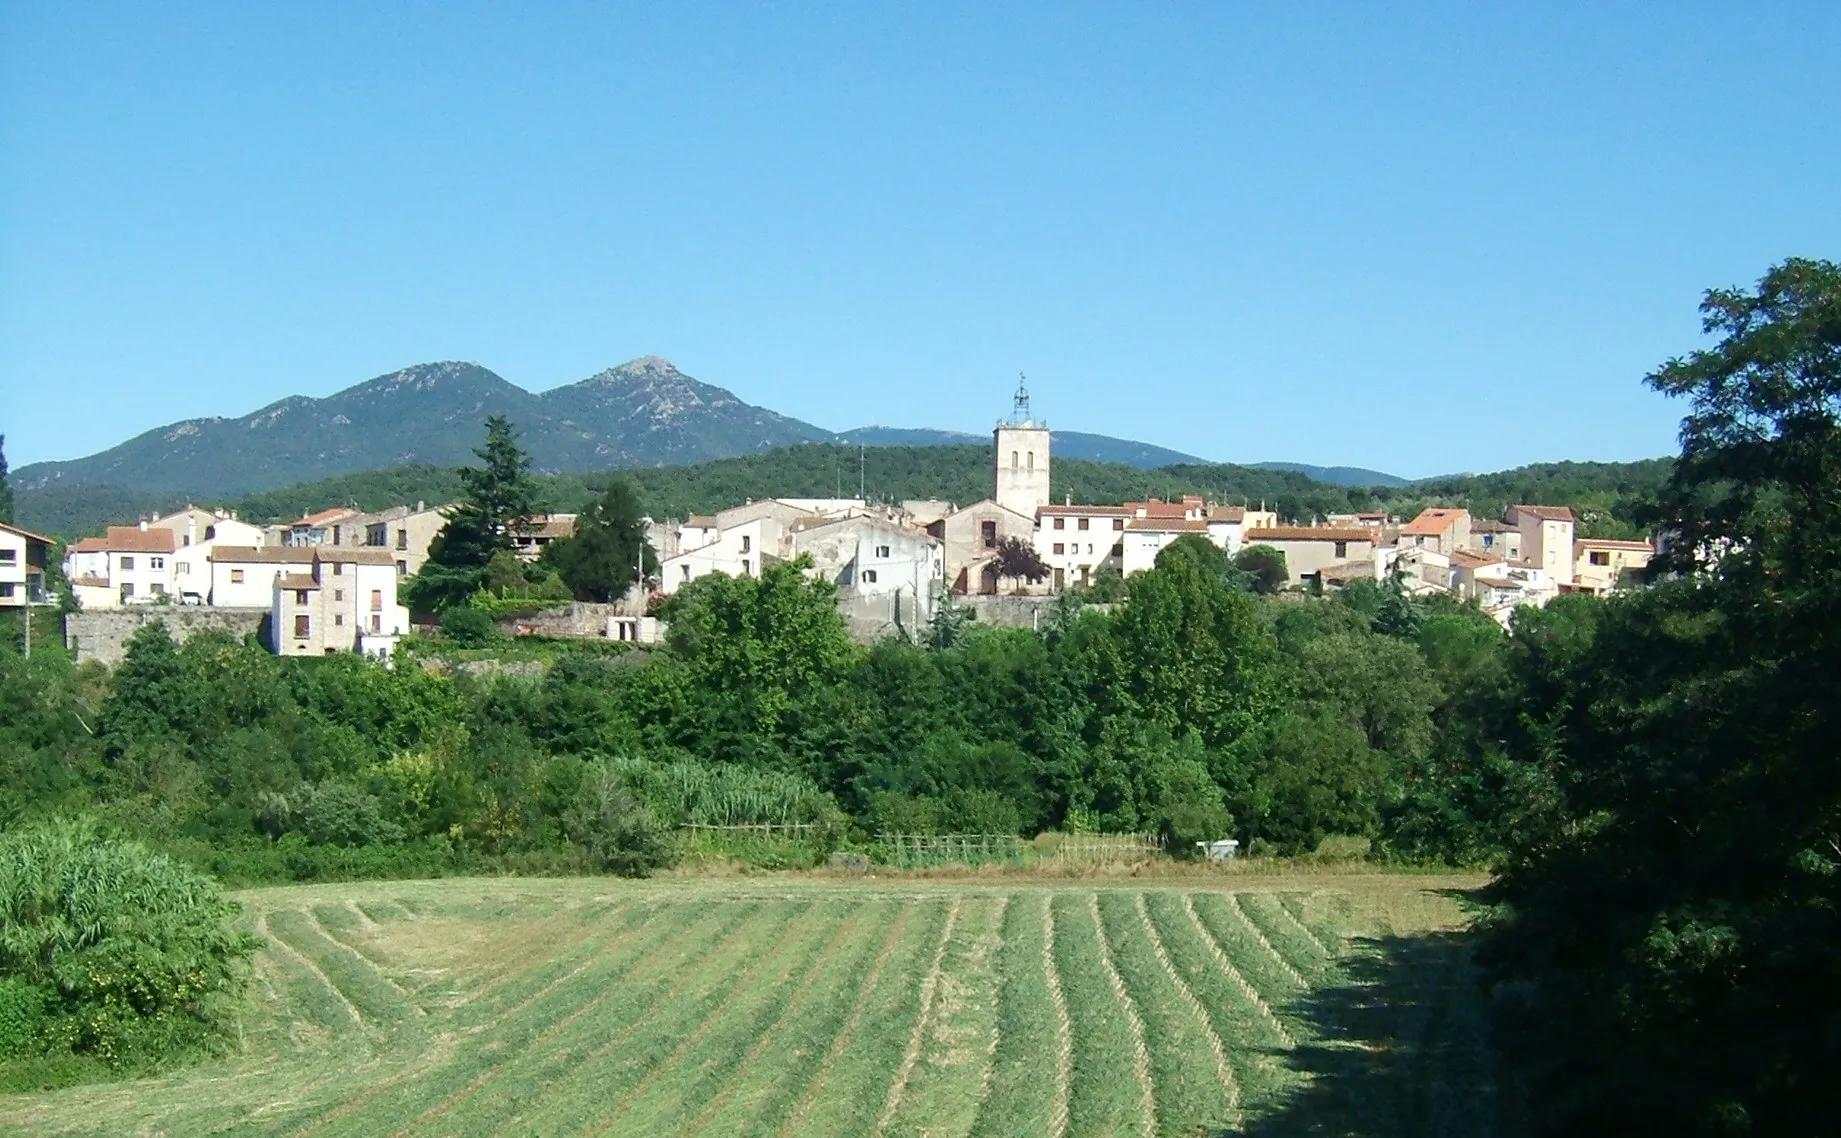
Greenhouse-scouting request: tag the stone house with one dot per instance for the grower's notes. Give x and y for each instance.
(1546, 539)
(345, 602)
(1309, 550)
(1439, 529)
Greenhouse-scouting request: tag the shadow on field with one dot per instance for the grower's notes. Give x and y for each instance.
(1401, 1049)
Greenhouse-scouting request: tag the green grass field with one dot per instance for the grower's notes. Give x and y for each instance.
(800, 1006)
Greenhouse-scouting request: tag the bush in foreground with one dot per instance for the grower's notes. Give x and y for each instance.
(112, 952)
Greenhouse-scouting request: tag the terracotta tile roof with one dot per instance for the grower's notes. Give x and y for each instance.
(297, 581)
(1471, 559)
(1308, 533)
(25, 533)
(1091, 511)
(326, 516)
(1546, 513)
(1432, 521)
(700, 521)
(1607, 543)
(1158, 508)
(1166, 525)
(1491, 525)
(350, 555)
(130, 539)
(91, 582)
(1228, 514)
(548, 527)
(1348, 571)
(266, 555)
(1501, 583)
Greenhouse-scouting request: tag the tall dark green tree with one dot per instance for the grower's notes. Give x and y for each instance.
(500, 495)
(6, 488)
(1668, 961)
(608, 551)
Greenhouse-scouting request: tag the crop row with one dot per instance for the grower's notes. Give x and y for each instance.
(1052, 1013)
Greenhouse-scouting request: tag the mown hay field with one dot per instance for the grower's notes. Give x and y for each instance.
(798, 1006)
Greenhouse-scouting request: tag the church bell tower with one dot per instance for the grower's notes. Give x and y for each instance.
(1021, 482)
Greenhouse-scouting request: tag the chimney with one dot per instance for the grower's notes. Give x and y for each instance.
(143, 525)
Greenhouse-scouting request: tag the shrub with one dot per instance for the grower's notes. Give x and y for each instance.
(615, 829)
(135, 954)
(22, 1015)
(468, 627)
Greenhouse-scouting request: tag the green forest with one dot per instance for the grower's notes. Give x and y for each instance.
(1651, 777)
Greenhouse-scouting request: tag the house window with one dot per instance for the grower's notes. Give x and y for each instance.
(989, 532)
(1061, 523)
(402, 539)
(1013, 460)
(377, 600)
(1489, 539)
(1600, 557)
(1032, 460)
(1118, 523)
(127, 564)
(869, 576)
(157, 589)
(1060, 549)
(338, 569)
(882, 551)
(338, 594)
(1089, 549)
(1342, 549)
(747, 543)
(336, 532)
(236, 576)
(1083, 523)
(301, 625)
(686, 569)
(6, 588)
(156, 563)
(377, 623)
(300, 596)
(746, 570)
(402, 568)
(338, 620)
(182, 569)
(9, 556)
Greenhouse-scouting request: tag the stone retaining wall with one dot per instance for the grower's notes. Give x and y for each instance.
(102, 634)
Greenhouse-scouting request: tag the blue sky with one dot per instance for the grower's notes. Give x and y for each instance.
(1415, 238)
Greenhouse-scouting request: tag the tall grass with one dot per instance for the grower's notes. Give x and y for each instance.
(135, 954)
(725, 795)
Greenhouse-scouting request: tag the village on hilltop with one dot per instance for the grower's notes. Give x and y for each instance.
(328, 581)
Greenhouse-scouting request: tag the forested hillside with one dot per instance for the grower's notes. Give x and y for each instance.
(1607, 495)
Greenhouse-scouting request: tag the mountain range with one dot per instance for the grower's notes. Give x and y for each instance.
(643, 413)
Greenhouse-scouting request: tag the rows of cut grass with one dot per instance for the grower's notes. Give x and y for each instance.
(1194, 1091)
(1105, 1097)
(1025, 1076)
(370, 996)
(956, 1042)
(826, 1009)
(1291, 940)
